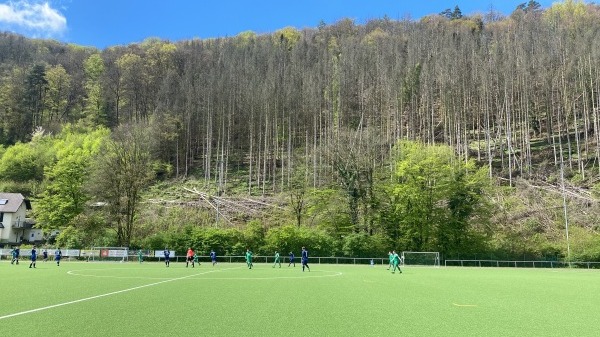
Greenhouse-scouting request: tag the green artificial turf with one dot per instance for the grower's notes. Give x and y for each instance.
(148, 299)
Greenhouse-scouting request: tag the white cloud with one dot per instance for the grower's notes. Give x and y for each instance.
(32, 17)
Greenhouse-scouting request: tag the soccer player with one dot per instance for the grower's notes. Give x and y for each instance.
(396, 263)
(140, 256)
(57, 256)
(166, 254)
(292, 259)
(33, 257)
(277, 261)
(45, 255)
(213, 257)
(249, 258)
(15, 255)
(391, 257)
(196, 260)
(304, 259)
(190, 257)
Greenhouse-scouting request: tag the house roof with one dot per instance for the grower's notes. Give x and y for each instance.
(10, 202)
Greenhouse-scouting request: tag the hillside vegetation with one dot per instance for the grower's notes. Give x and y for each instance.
(476, 136)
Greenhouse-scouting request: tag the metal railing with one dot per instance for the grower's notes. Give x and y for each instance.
(522, 264)
(284, 259)
(18, 224)
(358, 261)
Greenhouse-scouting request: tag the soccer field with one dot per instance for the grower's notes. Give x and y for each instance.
(131, 299)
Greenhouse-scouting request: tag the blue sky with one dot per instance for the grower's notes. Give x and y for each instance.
(104, 23)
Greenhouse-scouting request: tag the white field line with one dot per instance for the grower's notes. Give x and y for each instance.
(276, 277)
(304, 276)
(464, 305)
(103, 295)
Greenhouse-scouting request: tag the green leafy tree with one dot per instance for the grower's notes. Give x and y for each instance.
(57, 93)
(92, 233)
(133, 77)
(25, 162)
(254, 235)
(291, 238)
(64, 196)
(452, 14)
(94, 102)
(15, 123)
(364, 245)
(437, 198)
(287, 37)
(530, 6)
(35, 91)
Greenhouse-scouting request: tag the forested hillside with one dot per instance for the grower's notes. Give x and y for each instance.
(465, 134)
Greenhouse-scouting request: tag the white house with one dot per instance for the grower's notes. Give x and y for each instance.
(15, 227)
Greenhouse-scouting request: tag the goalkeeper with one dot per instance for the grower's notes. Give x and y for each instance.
(396, 262)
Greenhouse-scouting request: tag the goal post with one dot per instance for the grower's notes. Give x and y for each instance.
(115, 254)
(426, 259)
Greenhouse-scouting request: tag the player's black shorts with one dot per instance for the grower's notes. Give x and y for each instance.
(190, 258)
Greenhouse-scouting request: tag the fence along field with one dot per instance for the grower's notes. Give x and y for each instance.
(148, 299)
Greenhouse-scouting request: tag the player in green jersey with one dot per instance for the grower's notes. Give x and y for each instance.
(249, 258)
(396, 263)
(277, 260)
(391, 257)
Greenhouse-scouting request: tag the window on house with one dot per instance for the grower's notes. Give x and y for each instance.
(32, 235)
(1, 216)
(3, 201)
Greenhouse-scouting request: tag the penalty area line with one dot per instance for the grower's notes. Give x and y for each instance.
(103, 295)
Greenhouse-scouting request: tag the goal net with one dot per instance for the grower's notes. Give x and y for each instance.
(427, 259)
(116, 254)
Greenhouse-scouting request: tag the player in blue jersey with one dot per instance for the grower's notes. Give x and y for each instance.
(45, 255)
(57, 256)
(292, 259)
(15, 255)
(167, 255)
(304, 259)
(213, 257)
(33, 257)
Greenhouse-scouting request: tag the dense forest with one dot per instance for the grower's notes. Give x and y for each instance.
(475, 136)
